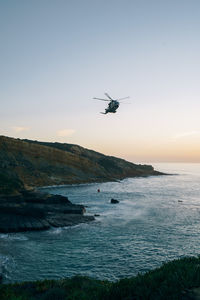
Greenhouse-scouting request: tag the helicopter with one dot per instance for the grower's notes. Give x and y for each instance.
(112, 105)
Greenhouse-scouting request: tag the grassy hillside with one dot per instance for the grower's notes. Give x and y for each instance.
(174, 280)
(25, 163)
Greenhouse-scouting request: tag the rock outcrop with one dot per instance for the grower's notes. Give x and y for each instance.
(38, 211)
(114, 201)
(25, 163)
(1, 273)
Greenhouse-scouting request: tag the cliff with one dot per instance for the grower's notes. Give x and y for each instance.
(26, 163)
(32, 210)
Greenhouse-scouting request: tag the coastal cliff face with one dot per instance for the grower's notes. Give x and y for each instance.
(25, 163)
(32, 210)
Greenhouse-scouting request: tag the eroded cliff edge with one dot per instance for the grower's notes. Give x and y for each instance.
(31, 210)
(26, 163)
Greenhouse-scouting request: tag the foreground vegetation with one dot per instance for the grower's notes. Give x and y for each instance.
(170, 281)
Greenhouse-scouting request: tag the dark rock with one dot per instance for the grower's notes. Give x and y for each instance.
(41, 197)
(38, 211)
(114, 201)
(1, 274)
(191, 294)
(68, 220)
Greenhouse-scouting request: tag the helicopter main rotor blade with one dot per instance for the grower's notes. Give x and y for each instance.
(101, 99)
(125, 103)
(123, 98)
(108, 96)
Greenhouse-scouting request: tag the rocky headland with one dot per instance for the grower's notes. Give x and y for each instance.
(26, 165)
(33, 210)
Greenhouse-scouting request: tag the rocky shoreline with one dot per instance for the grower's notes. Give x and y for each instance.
(31, 210)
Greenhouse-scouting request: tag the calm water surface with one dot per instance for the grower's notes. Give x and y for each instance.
(148, 227)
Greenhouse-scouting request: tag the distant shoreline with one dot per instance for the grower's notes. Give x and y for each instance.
(98, 182)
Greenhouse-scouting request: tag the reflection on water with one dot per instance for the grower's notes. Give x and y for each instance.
(149, 226)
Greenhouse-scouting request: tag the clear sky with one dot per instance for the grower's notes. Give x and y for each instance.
(55, 56)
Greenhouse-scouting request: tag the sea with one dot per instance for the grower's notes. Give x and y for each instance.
(156, 220)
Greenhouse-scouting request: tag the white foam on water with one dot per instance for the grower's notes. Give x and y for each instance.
(55, 230)
(8, 264)
(59, 230)
(13, 237)
(81, 225)
(3, 259)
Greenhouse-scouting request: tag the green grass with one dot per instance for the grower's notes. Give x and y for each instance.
(167, 282)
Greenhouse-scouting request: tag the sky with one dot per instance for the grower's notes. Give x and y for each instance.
(56, 55)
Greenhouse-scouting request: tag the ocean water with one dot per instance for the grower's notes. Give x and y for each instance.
(157, 220)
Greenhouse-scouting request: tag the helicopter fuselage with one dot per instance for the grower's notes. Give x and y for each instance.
(112, 107)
